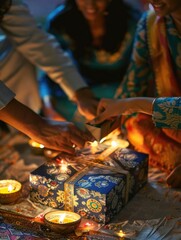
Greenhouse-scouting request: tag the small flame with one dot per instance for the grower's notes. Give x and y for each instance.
(121, 233)
(94, 146)
(63, 166)
(114, 144)
(61, 218)
(87, 224)
(10, 188)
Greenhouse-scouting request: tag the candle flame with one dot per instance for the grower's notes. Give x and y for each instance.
(10, 188)
(88, 224)
(121, 233)
(61, 218)
(114, 144)
(94, 146)
(63, 166)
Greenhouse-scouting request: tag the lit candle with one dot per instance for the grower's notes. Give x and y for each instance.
(9, 191)
(36, 148)
(122, 235)
(62, 221)
(115, 144)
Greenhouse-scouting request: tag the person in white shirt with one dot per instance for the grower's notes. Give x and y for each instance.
(23, 47)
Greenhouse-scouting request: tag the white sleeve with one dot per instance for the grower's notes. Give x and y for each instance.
(6, 95)
(40, 48)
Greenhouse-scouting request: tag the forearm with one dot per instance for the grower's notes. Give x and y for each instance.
(21, 117)
(140, 104)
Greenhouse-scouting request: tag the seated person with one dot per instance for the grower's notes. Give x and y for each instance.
(98, 35)
(155, 71)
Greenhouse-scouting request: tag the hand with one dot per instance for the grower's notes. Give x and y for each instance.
(107, 108)
(174, 179)
(86, 103)
(60, 136)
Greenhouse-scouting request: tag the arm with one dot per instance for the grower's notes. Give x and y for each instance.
(59, 136)
(40, 48)
(109, 108)
(166, 112)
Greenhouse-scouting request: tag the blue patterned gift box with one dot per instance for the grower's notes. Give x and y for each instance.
(94, 193)
(97, 192)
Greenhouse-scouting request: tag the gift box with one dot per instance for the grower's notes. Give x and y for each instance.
(97, 191)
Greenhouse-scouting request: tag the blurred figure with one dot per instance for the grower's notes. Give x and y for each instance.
(155, 71)
(98, 35)
(23, 47)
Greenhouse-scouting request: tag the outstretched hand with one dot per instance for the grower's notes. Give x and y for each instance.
(60, 136)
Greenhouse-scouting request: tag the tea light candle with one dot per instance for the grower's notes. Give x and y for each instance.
(62, 221)
(10, 191)
(36, 148)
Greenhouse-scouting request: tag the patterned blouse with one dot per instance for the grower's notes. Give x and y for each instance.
(167, 112)
(140, 74)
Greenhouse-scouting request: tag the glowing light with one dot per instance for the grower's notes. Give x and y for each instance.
(10, 188)
(94, 146)
(121, 233)
(61, 218)
(114, 144)
(36, 144)
(63, 166)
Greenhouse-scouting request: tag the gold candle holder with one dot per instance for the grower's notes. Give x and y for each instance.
(10, 191)
(62, 221)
